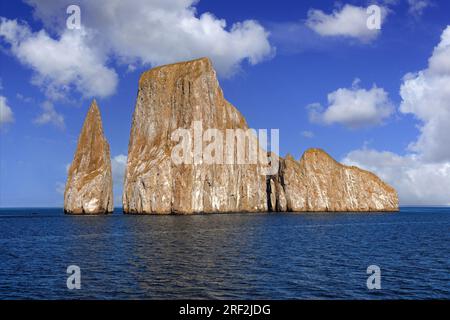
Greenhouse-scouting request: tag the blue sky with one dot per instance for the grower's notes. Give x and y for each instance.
(378, 99)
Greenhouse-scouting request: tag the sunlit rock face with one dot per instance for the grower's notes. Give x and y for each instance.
(318, 183)
(187, 95)
(176, 96)
(89, 183)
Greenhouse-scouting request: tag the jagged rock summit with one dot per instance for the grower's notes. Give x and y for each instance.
(319, 183)
(186, 94)
(89, 183)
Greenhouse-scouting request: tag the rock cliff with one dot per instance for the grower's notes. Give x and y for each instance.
(89, 183)
(187, 95)
(319, 183)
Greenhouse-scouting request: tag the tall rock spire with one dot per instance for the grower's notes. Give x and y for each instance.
(89, 183)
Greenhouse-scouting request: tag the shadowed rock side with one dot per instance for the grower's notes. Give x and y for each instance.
(318, 183)
(172, 97)
(89, 183)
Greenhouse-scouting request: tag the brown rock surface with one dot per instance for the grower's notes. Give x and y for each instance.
(172, 97)
(319, 183)
(178, 96)
(89, 183)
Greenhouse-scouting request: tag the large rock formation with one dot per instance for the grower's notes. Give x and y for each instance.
(176, 96)
(89, 183)
(186, 95)
(318, 183)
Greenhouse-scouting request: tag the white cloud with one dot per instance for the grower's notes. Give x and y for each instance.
(133, 32)
(60, 64)
(422, 176)
(349, 21)
(294, 37)
(156, 32)
(6, 114)
(417, 183)
(353, 107)
(49, 115)
(118, 166)
(416, 7)
(426, 95)
(23, 98)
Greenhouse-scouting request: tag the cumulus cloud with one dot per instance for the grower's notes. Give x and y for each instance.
(6, 114)
(421, 176)
(60, 64)
(135, 32)
(353, 107)
(49, 115)
(417, 183)
(348, 21)
(426, 95)
(156, 32)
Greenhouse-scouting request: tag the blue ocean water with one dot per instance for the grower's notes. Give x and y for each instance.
(234, 256)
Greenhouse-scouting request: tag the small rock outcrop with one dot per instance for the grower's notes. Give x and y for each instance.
(319, 183)
(89, 183)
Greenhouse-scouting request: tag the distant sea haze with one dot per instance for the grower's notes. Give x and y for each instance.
(232, 256)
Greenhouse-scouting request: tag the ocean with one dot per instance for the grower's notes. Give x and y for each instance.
(225, 256)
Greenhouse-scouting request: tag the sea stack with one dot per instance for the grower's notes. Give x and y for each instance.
(187, 96)
(89, 183)
(182, 96)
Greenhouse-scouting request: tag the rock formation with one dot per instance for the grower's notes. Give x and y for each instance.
(89, 183)
(186, 95)
(172, 97)
(318, 183)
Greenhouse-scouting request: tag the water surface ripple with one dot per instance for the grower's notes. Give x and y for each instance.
(231, 256)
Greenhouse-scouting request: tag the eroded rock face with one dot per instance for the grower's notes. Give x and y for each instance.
(318, 183)
(184, 94)
(173, 97)
(89, 183)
